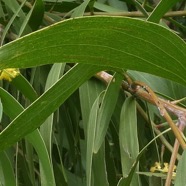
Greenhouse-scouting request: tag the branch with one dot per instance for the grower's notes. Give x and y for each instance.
(144, 92)
(126, 14)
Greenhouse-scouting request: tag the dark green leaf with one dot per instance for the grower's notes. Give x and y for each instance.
(21, 83)
(118, 43)
(12, 108)
(36, 114)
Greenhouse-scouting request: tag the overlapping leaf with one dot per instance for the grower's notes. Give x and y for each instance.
(113, 42)
(101, 42)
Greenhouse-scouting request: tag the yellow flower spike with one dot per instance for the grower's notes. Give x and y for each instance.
(9, 74)
(163, 169)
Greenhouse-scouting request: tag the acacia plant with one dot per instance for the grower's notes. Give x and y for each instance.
(92, 92)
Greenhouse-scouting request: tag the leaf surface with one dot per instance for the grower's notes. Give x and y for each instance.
(12, 108)
(161, 9)
(32, 117)
(101, 42)
(128, 136)
(110, 42)
(106, 109)
(181, 169)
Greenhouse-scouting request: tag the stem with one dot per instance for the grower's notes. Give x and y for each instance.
(173, 158)
(141, 90)
(162, 138)
(129, 14)
(106, 78)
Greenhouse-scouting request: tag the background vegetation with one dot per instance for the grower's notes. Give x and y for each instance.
(60, 125)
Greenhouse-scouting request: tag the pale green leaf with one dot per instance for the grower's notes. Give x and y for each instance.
(99, 168)
(181, 170)
(127, 181)
(107, 8)
(47, 177)
(128, 137)
(106, 109)
(79, 11)
(47, 126)
(91, 129)
(161, 9)
(88, 92)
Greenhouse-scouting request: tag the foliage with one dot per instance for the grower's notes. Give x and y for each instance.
(62, 126)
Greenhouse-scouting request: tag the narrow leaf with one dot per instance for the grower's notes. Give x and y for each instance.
(181, 170)
(127, 181)
(11, 21)
(36, 114)
(37, 14)
(99, 168)
(91, 129)
(47, 126)
(6, 171)
(161, 9)
(47, 176)
(79, 11)
(128, 137)
(21, 83)
(88, 92)
(106, 109)
(12, 108)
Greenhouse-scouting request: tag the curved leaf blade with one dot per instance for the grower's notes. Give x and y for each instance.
(106, 110)
(110, 42)
(32, 117)
(91, 130)
(22, 84)
(12, 108)
(47, 126)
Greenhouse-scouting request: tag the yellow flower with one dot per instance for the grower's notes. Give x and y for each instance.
(164, 169)
(156, 167)
(9, 73)
(152, 169)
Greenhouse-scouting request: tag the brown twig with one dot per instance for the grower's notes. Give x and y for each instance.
(162, 138)
(128, 14)
(172, 163)
(142, 91)
(173, 158)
